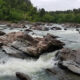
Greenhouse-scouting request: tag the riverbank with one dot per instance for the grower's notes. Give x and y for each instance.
(23, 23)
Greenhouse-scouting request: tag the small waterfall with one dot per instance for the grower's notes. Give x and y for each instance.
(29, 66)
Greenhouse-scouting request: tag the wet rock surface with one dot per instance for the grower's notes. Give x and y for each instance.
(61, 74)
(21, 42)
(2, 33)
(22, 76)
(55, 28)
(71, 25)
(69, 59)
(39, 27)
(16, 25)
(9, 38)
(13, 52)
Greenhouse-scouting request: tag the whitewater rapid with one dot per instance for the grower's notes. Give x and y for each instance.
(27, 66)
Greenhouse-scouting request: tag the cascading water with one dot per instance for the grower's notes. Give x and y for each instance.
(27, 66)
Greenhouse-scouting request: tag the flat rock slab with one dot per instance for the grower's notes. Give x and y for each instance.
(13, 52)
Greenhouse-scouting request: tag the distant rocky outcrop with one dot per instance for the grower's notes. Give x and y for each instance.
(39, 27)
(55, 28)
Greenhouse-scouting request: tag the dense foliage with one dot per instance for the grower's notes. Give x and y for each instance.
(16, 10)
(71, 16)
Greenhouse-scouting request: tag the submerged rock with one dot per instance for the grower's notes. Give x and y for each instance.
(28, 30)
(22, 76)
(70, 59)
(65, 28)
(53, 71)
(55, 28)
(2, 33)
(60, 74)
(1, 44)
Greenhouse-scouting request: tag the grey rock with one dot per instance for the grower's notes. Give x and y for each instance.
(70, 59)
(2, 33)
(22, 76)
(13, 52)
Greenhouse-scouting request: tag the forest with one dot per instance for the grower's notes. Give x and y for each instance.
(17, 10)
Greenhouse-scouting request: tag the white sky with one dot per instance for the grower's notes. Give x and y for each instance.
(53, 5)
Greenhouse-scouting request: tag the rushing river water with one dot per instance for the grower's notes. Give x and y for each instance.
(36, 68)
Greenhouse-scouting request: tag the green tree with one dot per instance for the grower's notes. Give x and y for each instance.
(42, 12)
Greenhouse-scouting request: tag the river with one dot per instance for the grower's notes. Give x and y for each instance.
(36, 68)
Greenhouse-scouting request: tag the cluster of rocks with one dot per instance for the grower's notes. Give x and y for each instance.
(71, 25)
(69, 59)
(39, 27)
(20, 24)
(44, 28)
(16, 25)
(19, 44)
(33, 26)
(55, 28)
(68, 63)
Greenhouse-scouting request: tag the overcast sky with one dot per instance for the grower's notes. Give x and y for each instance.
(53, 5)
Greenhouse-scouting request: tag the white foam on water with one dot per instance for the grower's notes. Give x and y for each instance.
(14, 65)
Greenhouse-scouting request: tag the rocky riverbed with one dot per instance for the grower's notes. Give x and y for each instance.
(39, 51)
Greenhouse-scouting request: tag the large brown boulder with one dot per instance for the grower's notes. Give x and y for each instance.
(27, 44)
(36, 46)
(69, 59)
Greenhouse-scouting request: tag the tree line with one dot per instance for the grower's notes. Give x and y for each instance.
(17, 10)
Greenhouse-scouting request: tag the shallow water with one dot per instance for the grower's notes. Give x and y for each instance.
(36, 68)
